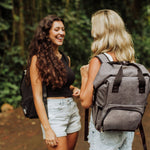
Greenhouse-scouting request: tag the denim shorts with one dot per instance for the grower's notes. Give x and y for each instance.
(63, 116)
(109, 140)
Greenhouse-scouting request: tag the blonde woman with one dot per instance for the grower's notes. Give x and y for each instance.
(111, 38)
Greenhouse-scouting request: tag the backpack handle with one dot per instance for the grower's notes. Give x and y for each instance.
(117, 81)
(119, 76)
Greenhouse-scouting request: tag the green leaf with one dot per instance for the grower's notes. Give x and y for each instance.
(4, 26)
(6, 6)
(16, 18)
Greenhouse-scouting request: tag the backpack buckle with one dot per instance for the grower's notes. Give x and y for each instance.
(115, 89)
(141, 89)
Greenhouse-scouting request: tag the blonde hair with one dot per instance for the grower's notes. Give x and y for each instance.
(109, 33)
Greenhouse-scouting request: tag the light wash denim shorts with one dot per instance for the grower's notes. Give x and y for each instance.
(63, 116)
(109, 140)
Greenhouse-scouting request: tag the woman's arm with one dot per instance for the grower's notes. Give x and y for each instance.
(88, 74)
(38, 101)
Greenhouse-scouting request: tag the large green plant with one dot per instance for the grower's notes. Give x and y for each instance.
(10, 76)
(77, 15)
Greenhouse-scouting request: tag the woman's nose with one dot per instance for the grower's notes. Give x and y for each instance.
(62, 32)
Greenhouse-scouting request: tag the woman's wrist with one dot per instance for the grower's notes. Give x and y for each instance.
(72, 87)
(46, 127)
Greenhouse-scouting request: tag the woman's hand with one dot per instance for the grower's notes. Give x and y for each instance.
(50, 138)
(76, 92)
(84, 70)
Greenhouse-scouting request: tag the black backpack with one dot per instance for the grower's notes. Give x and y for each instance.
(27, 102)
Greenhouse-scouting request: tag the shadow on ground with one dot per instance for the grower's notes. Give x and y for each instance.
(20, 133)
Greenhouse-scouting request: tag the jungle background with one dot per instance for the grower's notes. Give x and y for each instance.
(19, 18)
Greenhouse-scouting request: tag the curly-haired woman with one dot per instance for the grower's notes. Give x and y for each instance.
(47, 64)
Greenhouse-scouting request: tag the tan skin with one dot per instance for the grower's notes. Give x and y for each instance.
(57, 34)
(88, 74)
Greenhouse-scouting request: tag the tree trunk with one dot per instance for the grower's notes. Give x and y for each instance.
(21, 27)
(34, 12)
(40, 9)
(67, 3)
(13, 26)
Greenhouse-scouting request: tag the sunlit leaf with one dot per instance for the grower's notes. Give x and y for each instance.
(6, 6)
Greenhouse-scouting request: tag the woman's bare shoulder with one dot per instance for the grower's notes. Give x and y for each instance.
(94, 61)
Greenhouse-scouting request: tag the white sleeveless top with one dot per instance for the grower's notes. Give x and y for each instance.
(109, 57)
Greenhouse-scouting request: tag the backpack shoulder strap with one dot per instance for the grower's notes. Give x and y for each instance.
(86, 124)
(45, 97)
(142, 135)
(103, 58)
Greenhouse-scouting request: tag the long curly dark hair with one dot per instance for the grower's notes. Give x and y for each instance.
(51, 69)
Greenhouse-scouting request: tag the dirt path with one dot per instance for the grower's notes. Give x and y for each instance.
(20, 133)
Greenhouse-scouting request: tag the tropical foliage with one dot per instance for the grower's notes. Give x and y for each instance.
(18, 20)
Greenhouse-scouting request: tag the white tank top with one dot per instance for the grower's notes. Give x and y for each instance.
(109, 57)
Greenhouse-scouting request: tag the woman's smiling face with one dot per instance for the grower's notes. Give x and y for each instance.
(57, 33)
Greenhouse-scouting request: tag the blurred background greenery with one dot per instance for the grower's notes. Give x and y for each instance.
(19, 18)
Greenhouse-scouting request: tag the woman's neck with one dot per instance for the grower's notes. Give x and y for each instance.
(55, 49)
(56, 52)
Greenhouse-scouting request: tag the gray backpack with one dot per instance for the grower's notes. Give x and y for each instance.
(120, 95)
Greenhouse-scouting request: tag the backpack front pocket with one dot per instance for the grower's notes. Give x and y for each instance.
(121, 120)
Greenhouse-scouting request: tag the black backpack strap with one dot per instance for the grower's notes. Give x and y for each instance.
(142, 136)
(86, 118)
(103, 58)
(45, 97)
